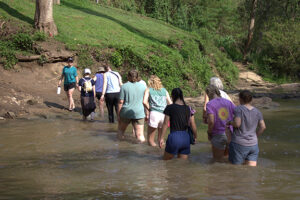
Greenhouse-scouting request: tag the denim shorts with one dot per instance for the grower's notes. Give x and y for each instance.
(178, 142)
(219, 141)
(238, 154)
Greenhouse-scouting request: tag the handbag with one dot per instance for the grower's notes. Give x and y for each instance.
(189, 130)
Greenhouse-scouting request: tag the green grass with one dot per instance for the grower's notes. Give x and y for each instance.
(149, 45)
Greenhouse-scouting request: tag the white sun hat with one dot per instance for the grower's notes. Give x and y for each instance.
(87, 71)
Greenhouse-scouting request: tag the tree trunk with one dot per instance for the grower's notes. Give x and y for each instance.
(251, 28)
(43, 18)
(97, 1)
(56, 2)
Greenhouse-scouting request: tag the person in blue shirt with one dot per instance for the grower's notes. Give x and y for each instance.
(99, 79)
(69, 74)
(112, 83)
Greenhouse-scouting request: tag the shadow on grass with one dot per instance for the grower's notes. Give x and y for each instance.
(15, 13)
(127, 26)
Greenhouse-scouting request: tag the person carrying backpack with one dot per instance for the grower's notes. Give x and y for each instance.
(88, 93)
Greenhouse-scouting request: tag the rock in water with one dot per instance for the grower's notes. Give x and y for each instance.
(10, 115)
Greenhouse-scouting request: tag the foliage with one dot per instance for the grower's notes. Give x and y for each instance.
(23, 41)
(85, 59)
(39, 36)
(278, 53)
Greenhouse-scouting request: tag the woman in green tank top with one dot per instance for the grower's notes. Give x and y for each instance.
(155, 101)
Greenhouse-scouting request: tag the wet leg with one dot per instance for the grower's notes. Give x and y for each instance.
(168, 156)
(139, 130)
(151, 136)
(121, 130)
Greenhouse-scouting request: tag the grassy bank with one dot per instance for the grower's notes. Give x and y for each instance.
(127, 40)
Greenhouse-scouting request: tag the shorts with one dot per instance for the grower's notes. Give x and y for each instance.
(238, 153)
(178, 142)
(69, 86)
(219, 141)
(156, 119)
(98, 95)
(133, 121)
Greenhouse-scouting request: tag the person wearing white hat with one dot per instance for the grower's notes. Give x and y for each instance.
(88, 93)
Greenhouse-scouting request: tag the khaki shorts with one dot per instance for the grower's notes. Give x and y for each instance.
(133, 121)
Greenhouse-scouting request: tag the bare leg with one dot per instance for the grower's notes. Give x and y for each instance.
(151, 136)
(139, 130)
(70, 98)
(121, 129)
(101, 108)
(250, 163)
(183, 156)
(218, 154)
(168, 156)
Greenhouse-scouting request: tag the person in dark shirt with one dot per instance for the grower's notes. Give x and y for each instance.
(180, 118)
(88, 93)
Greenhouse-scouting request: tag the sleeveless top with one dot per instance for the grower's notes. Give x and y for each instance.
(113, 85)
(157, 99)
(99, 82)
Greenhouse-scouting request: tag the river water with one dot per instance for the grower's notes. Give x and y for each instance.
(65, 158)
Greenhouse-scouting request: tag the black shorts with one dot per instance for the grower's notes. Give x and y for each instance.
(69, 86)
(98, 95)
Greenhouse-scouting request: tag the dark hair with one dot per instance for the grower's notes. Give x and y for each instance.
(133, 76)
(177, 94)
(211, 90)
(245, 96)
(106, 68)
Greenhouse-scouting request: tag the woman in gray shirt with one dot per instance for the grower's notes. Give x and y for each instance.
(243, 148)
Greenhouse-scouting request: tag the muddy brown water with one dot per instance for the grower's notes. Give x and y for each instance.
(66, 158)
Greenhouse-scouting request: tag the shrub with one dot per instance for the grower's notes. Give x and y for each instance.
(39, 36)
(23, 41)
(116, 59)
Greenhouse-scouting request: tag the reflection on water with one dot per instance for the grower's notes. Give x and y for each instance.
(71, 159)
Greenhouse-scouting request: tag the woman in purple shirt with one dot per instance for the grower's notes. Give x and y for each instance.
(219, 111)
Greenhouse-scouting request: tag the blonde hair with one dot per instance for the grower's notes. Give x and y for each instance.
(155, 82)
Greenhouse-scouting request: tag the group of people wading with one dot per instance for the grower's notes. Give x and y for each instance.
(232, 130)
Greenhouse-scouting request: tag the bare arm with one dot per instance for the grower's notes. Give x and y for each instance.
(60, 79)
(146, 103)
(104, 86)
(206, 100)
(163, 132)
(95, 78)
(211, 124)
(94, 90)
(193, 126)
(261, 127)
(120, 80)
(146, 99)
(169, 101)
(236, 123)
